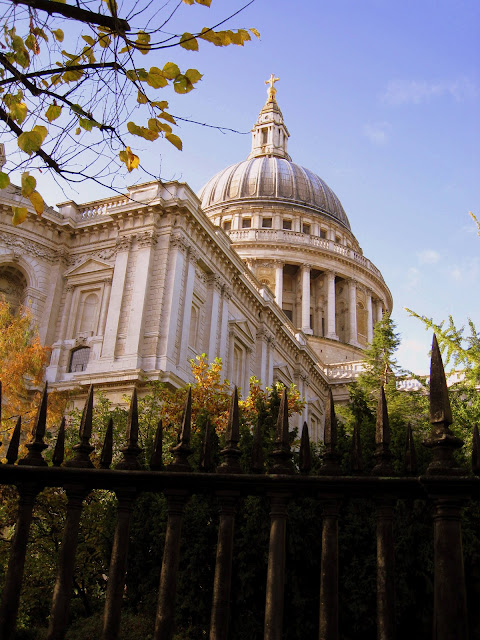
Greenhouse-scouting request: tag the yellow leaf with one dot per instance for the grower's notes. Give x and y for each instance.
(42, 131)
(255, 33)
(156, 78)
(28, 184)
(89, 40)
(18, 111)
(155, 125)
(143, 132)
(182, 84)
(162, 104)
(19, 215)
(4, 180)
(193, 75)
(175, 140)
(77, 131)
(37, 201)
(188, 41)
(29, 142)
(171, 70)
(206, 3)
(167, 117)
(188, 1)
(53, 112)
(129, 158)
(141, 97)
(143, 42)
(104, 41)
(58, 33)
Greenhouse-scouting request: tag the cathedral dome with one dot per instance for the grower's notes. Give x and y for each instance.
(272, 177)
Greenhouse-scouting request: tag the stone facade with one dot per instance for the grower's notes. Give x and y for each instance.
(261, 269)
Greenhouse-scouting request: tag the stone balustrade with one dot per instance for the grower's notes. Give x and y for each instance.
(282, 237)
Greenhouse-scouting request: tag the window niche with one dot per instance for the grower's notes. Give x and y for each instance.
(78, 359)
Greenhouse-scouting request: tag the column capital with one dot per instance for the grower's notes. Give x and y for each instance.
(330, 274)
(178, 241)
(124, 243)
(306, 267)
(147, 239)
(193, 255)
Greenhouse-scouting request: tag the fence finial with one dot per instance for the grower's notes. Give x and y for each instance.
(83, 449)
(281, 455)
(305, 458)
(356, 455)
(330, 464)
(231, 452)
(441, 440)
(476, 451)
(132, 450)
(12, 452)
(156, 461)
(382, 454)
(37, 444)
(59, 451)
(106, 456)
(182, 450)
(206, 457)
(410, 453)
(257, 450)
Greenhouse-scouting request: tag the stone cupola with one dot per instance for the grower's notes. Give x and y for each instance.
(269, 134)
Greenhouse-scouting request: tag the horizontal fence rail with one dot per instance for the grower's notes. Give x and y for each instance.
(445, 487)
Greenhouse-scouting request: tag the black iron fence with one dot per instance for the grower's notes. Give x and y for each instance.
(445, 487)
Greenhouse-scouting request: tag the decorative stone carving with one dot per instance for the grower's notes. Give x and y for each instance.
(20, 246)
(124, 243)
(147, 239)
(179, 241)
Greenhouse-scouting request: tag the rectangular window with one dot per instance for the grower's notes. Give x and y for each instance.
(227, 225)
(267, 223)
(338, 239)
(287, 225)
(323, 233)
(246, 223)
(288, 313)
(306, 229)
(264, 136)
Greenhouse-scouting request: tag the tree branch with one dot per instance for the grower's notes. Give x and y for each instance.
(73, 67)
(82, 15)
(18, 132)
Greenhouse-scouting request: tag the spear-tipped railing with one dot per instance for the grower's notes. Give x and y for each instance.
(446, 486)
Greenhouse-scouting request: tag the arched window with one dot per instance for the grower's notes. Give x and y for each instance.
(79, 359)
(12, 286)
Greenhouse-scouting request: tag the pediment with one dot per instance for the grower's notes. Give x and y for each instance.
(243, 329)
(89, 266)
(284, 370)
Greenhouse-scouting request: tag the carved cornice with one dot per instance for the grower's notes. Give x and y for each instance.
(20, 246)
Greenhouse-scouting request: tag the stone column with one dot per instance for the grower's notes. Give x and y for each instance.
(216, 289)
(379, 311)
(352, 312)
(187, 306)
(306, 328)
(262, 356)
(226, 295)
(118, 284)
(279, 283)
(136, 319)
(331, 328)
(52, 371)
(103, 311)
(271, 349)
(171, 310)
(369, 317)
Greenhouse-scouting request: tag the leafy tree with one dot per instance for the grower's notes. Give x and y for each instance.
(22, 365)
(63, 99)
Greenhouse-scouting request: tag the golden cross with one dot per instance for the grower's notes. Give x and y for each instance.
(271, 91)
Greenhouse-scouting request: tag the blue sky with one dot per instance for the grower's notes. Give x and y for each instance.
(381, 98)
